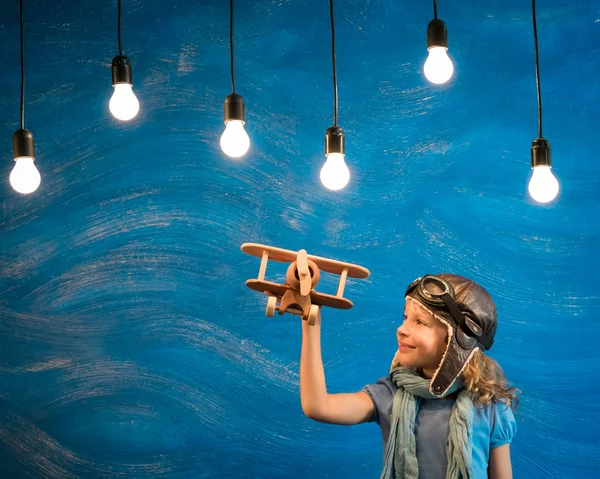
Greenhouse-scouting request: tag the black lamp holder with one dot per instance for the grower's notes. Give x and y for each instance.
(540, 148)
(334, 140)
(121, 70)
(234, 103)
(234, 108)
(23, 144)
(121, 65)
(334, 136)
(437, 34)
(540, 153)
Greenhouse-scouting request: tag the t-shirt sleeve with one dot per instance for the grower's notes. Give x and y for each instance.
(381, 394)
(504, 426)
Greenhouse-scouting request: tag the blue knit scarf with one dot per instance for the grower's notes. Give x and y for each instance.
(401, 454)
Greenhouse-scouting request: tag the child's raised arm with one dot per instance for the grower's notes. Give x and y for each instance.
(317, 403)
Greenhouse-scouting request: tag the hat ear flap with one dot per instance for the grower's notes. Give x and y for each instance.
(453, 363)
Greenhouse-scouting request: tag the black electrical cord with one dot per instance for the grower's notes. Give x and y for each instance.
(22, 74)
(231, 43)
(435, 9)
(335, 89)
(119, 27)
(537, 70)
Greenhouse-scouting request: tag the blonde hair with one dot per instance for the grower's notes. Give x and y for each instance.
(485, 380)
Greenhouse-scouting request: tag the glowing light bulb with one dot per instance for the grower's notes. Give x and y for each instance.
(25, 177)
(335, 173)
(438, 66)
(123, 104)
(543, 186)
(234, 140)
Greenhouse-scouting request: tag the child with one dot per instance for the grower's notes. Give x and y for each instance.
(445, 409)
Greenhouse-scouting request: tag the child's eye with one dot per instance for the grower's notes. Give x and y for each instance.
(420, 322)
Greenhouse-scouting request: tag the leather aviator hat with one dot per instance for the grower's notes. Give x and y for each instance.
(469, 313)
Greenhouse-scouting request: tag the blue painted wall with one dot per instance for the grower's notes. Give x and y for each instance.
(129, 344)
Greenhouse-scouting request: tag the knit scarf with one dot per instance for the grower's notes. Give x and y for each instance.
(400, 460)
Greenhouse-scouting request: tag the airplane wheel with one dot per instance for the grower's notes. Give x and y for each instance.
(271, 304)
(313, 314)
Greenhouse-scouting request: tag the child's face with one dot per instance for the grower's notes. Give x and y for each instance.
(426, 335)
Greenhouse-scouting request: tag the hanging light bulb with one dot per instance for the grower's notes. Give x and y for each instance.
(543, 186)
(234, 140)
(438, 67)
(24, 178)
(123, 104)
(335, 173)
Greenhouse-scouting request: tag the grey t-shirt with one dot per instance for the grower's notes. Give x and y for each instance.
(431, 431)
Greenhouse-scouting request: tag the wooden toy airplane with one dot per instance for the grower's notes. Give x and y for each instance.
(297, 295)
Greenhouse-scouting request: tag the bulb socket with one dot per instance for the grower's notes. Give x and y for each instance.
(121, 70)
(335, 141)
(437, 35)
(23, 144)
(234, 108)
(540, 153)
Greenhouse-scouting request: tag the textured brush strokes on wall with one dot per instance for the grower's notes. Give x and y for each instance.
(129, 344)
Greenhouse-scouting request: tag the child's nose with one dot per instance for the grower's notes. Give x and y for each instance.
(401, 331)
